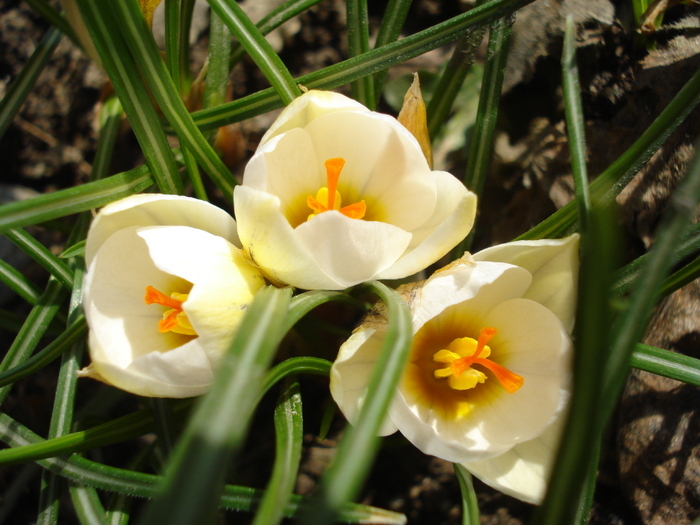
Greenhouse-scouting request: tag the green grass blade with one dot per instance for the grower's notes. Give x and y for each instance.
(215, 434)
(130, 21)
(33, 329)
(42, 255)
(295, 366)
(303, 303)
(132, 92)
(358, 43)
(55, 18)
(677, 280)
(110, 120)
(289, 434)
(54, 349)
(389, 31)
(87, 505)
(74, 200)
(575, 123)
(178, 17)
(584, 424)
(619, 173)
(365, 64)
(218, 62)
(666, 363)
(142, 485)
(470, 504)
(359, 444)
(259, 49)
(626, 278)
(18, 283)
(23, 84)
(453, 77)
(633, 321)
(272, 21)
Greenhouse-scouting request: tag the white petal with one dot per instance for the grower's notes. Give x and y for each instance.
(156, 209)
(554, 265)
(184, 371)
(524, 470)
(384, 166)
(531, 342)
(223, 282)
(351, 251)
(476, 287)
(452, 221)
(352, 371)
(270, 241)
(308, 107)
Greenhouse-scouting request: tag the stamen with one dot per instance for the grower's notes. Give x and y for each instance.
(458, 365)
(175, 319)
(328, 198)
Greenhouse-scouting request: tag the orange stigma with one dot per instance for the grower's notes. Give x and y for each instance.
(460, 363)
(328, 198)
(175, 319)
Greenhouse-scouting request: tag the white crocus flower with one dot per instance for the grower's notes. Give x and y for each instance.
(337, 195)
(488, 378)
(165, 289)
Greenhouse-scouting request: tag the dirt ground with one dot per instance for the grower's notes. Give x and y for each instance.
(650, 468)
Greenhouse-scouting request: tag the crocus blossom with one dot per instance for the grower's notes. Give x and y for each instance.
(488, 377)
(336, 195)
(165, 289)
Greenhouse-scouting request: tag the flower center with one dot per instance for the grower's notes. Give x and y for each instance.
(328, 198)
(175, 319)
(464, 352)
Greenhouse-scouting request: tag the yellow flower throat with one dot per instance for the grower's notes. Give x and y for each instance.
(464, 352)
(328, 198)
(175, 319)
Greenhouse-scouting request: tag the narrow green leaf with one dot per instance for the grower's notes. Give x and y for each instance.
(389, 31)
(356, 450)
(453, 77)
(132, 92)
(685, 275)
(289, 434)
(365, 64)
(18, 283)
(178, 17)
(74, 200)
(139, 40)
(470, 504)
(295, 366)
(110, 120)
(122, 481)
(87, 505)
(56, 348)
(76, 250)
(611, 182)
(55, 18)
(575, 123)
(195, 478)
(666, 363)
(23, 84)
(42, 255)
(358, 43)
(303, 303)
(258, 48)
(217, 62)
(272, 21)
(33, 329)
(632, 322)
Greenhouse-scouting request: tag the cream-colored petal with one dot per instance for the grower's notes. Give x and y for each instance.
(554, 265)
(308, 107)
(452, 221)
(472, 288)
(223, 282)
(120, 322)
(351, 251)
(270, 242)
(523, 471)
(352, 371)
(287, 167)
(384, 165)
(157, 209)
(184, 371)
(533, 343)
